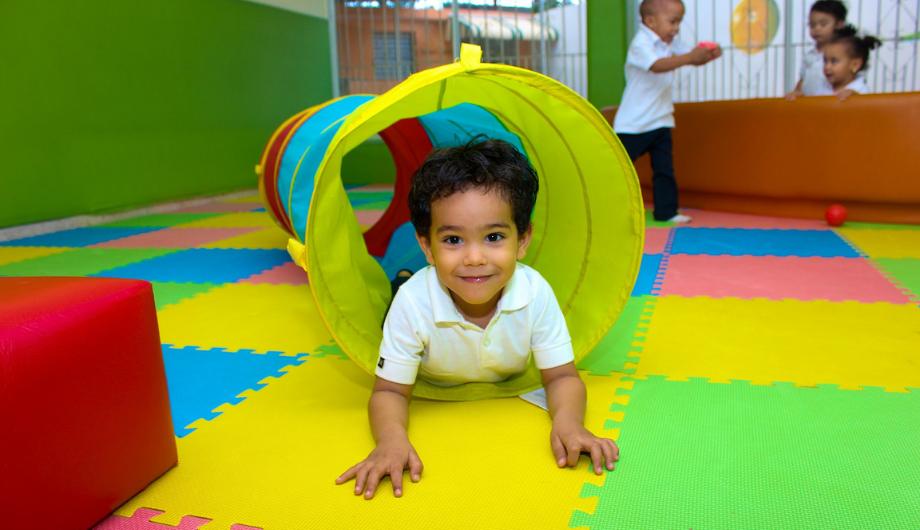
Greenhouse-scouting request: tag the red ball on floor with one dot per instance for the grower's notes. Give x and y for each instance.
(835, 214)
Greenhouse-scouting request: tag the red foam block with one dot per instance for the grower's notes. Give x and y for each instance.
(83, 404)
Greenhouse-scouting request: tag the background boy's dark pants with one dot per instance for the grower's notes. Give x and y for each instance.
(657, 144)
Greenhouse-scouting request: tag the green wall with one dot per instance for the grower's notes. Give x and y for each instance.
(369, 163)
(608, 40)
(106, 104)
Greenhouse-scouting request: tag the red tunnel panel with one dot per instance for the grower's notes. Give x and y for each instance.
(409, 145)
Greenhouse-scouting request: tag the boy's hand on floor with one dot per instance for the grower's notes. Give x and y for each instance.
(386, 459)
(569, 441)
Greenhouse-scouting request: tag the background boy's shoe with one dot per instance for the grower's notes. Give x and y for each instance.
(680, 219)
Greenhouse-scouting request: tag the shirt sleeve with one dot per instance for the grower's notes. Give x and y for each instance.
(550, 341)
(641, 54)
(401, 348)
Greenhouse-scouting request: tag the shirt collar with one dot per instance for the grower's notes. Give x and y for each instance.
(650, 34)
(516, 295)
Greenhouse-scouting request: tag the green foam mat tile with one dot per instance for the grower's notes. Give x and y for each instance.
(879, 226)
(905, 271)
(650, 221)
(618, 347)
(168, 293)
(695, 454)
(373, 205)
(80, 261)
(358, 195)
(162, 219)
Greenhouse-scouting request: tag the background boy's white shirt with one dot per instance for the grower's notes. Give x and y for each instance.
(425, 336)
(647, 103)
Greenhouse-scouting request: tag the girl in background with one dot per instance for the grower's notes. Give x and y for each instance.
(846, 55)
(824, 18)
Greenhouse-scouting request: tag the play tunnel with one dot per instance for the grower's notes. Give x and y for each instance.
(588, 223)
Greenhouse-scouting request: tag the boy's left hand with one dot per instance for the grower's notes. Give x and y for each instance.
(570, 440)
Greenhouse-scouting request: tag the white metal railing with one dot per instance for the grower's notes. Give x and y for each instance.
(549, 36)
(751, 68)
(380, 42)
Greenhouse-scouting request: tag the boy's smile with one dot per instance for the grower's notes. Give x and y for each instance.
(665, 20)
(474, 246)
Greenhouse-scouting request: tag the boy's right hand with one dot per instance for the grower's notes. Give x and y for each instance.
(700, 55)
(388, 458)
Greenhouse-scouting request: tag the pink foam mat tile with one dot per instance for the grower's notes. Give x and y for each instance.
(141, 519)
(655, 240)
(710, 219)
(286, 274)
(176, 237)
(368, 217)
(779, 277)
(220, 207)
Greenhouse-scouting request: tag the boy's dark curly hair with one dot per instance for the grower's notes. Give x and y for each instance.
(490, 165)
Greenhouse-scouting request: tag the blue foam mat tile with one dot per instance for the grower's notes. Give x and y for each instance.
(202, 265)
(760, 242)
(201, 380)
(648, 272)
(79, 237)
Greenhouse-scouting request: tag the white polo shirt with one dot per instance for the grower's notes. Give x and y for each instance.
(425, 335)
(858, 85)
(814, 82)
(647, 103)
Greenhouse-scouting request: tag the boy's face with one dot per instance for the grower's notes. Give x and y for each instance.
(665, 19)
(821, 26)
(474, 245)
(839, 67)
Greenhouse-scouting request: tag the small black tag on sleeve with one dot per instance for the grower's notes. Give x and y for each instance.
(380, 362)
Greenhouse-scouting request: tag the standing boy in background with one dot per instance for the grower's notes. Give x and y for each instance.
(646, 114)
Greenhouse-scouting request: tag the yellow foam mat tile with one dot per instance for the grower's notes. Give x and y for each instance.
(233, 220)
(884, 243)
(267, 238)
(14, 254)
(263, 317)
(271, 460)
(254, 198)
(848, 344)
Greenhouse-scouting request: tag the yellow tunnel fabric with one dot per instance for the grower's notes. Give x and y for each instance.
(588, 222)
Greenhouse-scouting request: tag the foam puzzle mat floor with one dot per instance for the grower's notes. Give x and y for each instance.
(765, 373)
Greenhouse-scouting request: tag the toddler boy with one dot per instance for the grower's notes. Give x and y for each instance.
(474, 314)
(646, 114)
